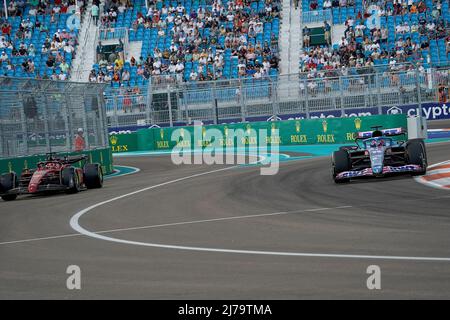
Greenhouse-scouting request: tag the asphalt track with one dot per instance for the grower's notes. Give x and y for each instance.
(299, 210)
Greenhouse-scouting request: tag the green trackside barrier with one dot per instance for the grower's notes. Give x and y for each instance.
(145, 139)
(124, 142)
(290, 132)
(102, 156)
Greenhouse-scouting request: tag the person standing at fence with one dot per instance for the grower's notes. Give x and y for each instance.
(95, 11)
(442, 93)
(327, 32)
(306, 37)
(127, 102)
(80, 144)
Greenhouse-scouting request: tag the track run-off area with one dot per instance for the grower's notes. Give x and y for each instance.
(227, 232)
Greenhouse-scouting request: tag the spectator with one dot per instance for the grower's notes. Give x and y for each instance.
(126, 77)
(442, 93)
(95, 10)
(306, 37)
(80, 143)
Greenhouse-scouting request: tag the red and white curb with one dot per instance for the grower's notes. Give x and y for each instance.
(438, 176)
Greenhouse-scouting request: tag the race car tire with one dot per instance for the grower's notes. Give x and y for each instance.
(8, 181)
(93, 175)
(9, 197)
(70, 180)
(417, 155)
(340, 163)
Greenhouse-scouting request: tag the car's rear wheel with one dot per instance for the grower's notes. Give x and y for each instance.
(8, 181)
(70, 180)
(416, 155)
(340, 163)
(93, 175)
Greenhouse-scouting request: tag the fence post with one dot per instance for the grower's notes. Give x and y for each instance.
(85, 122)
(115, 117)
(305, 85)
(46, 127)
(419, 95)
(274, 100)
(215, 107)
(169, 101)
(67, 123)
(341, 97)
(148, 114)
(242, 102)
(378, 84)
(100, 112)
(23, 121)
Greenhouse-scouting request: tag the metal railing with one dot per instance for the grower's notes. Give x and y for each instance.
(239, 99)
(316, 16)
(84, 44)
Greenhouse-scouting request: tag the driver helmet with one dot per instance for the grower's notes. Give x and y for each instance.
(377, 133)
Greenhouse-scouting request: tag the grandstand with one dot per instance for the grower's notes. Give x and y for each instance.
(38, 41)
(201, 40)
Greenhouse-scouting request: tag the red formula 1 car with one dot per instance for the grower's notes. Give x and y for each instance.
(53, 174)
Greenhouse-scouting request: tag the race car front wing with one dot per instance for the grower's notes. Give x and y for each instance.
(386, 170)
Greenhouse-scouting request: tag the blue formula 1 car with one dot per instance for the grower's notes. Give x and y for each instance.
(378, 154)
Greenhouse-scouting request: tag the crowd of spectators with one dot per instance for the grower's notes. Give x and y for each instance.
(365, 45)
(16, 8)
(194, 54)
(327, 4)
(18, 48)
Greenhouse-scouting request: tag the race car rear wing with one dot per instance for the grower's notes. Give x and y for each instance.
(386, 132)
(65, 159)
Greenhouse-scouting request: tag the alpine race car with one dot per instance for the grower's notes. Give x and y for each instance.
(378, 154)
(53, 174)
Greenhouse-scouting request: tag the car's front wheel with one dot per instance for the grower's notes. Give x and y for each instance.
(416, 154)
(340, 163)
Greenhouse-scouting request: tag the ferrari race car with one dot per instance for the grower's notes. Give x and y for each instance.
(378, 154)
(53, 174)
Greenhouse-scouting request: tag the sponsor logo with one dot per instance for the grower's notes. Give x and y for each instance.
(358, 123)
(274, 118)
(297, 126)
(113, 140)
(325, 126)
(394, 110)
(115, 147)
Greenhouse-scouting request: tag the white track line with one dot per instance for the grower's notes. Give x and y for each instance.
(175, 224)
(74, 223)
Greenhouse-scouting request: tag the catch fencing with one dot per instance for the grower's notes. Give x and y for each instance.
(168, 102)
(41, 116)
